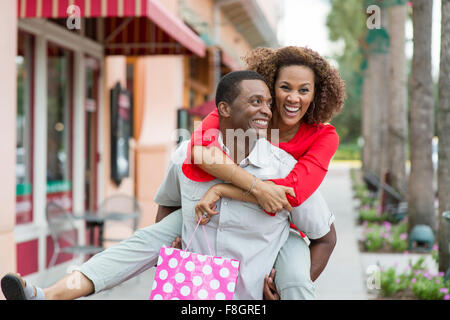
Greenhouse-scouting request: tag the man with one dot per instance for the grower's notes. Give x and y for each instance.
(242, 231)
(140, 252)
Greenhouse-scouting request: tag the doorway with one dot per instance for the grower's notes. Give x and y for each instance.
(91, 134)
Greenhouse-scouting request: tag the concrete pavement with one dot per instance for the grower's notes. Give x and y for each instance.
(344, 277)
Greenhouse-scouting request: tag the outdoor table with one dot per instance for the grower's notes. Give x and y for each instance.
(94, 219)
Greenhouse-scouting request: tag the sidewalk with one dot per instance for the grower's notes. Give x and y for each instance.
(343, 277)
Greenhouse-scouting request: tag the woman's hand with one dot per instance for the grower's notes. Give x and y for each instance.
(272, 197)
(207, 205)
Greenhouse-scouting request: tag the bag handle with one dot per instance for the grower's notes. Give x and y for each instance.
(206, 237)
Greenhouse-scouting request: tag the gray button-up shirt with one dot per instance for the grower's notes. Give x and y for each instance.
(242, 230)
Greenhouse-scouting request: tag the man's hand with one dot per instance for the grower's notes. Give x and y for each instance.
(270, 290)
(176, 243)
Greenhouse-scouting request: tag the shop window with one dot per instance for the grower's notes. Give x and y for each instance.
(183, 122)
(59, 128)
(24, 150)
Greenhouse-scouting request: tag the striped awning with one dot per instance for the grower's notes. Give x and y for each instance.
(131, 27)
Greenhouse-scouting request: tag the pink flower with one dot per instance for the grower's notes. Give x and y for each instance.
(406, 252)
(441, 274)
(387, 225)
(435, 247)
(397, 280)
(443, 290)
(447, 297)
(403, 236)
(413, 280)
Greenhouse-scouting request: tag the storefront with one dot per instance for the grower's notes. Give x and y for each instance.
(66, 68)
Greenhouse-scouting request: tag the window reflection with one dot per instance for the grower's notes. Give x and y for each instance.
(24, 67)
(59, 75)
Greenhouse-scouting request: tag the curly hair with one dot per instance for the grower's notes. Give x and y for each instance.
(329, 87)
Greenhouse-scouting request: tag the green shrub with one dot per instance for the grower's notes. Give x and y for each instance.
(348, 152)
(416, 278)
(378, 236)
(371, 215)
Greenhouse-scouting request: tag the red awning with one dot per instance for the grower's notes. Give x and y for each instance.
(204, 109)
(132, 27)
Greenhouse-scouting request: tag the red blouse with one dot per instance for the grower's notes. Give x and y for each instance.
(313, 146)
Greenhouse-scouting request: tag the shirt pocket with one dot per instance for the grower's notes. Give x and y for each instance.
(192, 192)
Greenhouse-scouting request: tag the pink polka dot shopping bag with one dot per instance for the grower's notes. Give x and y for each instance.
(184, 275)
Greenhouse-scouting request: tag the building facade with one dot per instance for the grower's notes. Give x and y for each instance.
(74, 69)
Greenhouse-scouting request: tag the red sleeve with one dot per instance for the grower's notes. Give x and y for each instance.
(204, 135)
(207, 131)
(311, 167)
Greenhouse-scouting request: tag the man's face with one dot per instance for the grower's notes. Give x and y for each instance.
(251, 108)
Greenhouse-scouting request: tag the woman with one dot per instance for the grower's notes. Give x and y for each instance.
(307, 92)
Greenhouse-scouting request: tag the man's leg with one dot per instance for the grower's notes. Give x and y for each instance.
(120, 262)
(293, 264)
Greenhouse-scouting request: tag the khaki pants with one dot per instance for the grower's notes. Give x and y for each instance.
(140, 252)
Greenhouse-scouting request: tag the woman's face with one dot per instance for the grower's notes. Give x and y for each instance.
(294, 92)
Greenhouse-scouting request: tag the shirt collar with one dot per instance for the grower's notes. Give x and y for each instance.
(259, 156)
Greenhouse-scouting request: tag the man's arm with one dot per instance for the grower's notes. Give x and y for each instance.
(320, 250)
(164, 211)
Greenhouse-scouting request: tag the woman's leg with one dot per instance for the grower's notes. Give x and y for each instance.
(293, 264)
(120, 262)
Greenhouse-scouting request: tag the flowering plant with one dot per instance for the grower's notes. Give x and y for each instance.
(385, 236)
(417, 279)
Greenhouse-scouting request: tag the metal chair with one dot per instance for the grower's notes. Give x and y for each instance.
(65, 240)
(122, 210)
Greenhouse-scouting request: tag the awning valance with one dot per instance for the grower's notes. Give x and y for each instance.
(131, 27)
(203, 109)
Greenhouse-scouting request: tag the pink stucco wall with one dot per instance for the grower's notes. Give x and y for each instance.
(8, 43)
(115, 71)
(162, 96)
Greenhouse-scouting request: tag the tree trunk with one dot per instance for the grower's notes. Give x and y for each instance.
(397, 111)
(444, 137)
(375, 98)
(420, 189)
(371, 113)
(365, 119)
